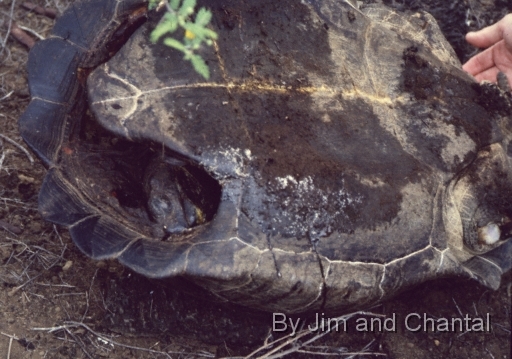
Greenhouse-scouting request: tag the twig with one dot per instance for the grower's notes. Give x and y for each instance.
(68, 294)
(10, 228)
(48, 12)
(4, 41)
(71, 324)
(456, 306)
(58, 234)
(56, 285)
(9, 350)
(502, 327)
(16, 289)
(22, 36)
(33, 32)
(2, 159)
(16, 144)
(295, 346)
(16, 202)
(61, 257)
(291, 340)
(87, 295)
(11, 338)
(358, 354)
(24, 294)
(7, 96)
(79, 342)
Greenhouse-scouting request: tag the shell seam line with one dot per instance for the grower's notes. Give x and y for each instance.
(130, 244)
(252, 86)
(261, 251)
(491, 262)
(374, 263)
(409, 255)
(435, 211)
(88, 201)
(441, 261)
(83, 220)
(322, 291)
(48, 101)
(278, 273)
(382, 291)
(250, 280)
(138, 94)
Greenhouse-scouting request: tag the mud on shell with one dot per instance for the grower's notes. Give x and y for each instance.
(336, 155)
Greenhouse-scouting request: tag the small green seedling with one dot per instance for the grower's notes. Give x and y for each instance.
(179, 15)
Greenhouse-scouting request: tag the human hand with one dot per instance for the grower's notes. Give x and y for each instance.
(497, 56)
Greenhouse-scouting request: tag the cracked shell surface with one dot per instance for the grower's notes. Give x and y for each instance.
(343, 153)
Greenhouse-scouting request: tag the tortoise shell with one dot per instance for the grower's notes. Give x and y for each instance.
(336, 155)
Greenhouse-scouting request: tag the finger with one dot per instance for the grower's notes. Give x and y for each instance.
(491, 75)
(488, 75)
(492, 34)
(480, 62)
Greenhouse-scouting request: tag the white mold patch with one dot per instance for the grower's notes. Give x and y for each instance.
(296, 207)
(226, 162)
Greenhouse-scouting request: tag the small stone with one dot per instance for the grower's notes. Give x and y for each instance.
(437, 342)
(67, 265)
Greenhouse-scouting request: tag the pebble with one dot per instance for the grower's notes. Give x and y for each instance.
(67, 265)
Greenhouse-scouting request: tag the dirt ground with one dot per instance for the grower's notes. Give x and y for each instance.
(56, 303)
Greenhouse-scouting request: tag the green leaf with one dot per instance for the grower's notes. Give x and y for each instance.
(187, 8)
(200, 32)
(193, 28)
(169, 41)
(175, 4)
(203, 17)
(200, 66)
(168, 24)
(152, 4)
(196, 33)
(211, 34)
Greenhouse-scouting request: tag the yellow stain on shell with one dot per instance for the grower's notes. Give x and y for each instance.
(256, 86)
